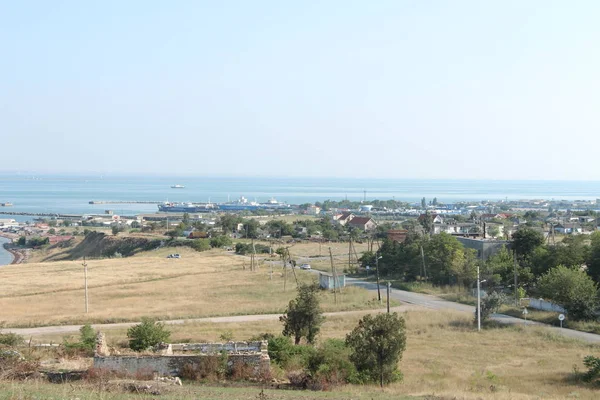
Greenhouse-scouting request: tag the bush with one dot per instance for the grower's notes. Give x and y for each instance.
(147, 334)
(490, 304)
(221, 241)
(571, 288)
(330, 365)
(86, 343)
(200, 244)
(283, 352)
(593, 365)
(22, 241)
(377, 344)
(11, 339)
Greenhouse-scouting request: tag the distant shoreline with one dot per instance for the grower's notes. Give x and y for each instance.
(19, 255)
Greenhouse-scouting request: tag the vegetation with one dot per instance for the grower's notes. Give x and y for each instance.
(86, 342)
(593, 365)
(303, 317)
(377, 345)
(490, 304)
(147, 334)
(571, 288)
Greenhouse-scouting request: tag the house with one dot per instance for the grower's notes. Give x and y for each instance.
(362, 223)
(313, 210)
(436, 218)
(491, 217)
(397, 235)
(8, 223)
(586, 219)
(568, 228)
(343, 218)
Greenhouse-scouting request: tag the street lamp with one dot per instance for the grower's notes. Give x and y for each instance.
(377, 257)
(479, 282)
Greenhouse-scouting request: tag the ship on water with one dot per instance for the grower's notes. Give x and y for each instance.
(177, 187)
(242, 204)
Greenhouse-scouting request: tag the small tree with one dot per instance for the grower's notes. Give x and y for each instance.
(115, 229)
(87, 337)
(377, 344)
(571, 288)
(147, 334)
(303, 317)
(490, 304)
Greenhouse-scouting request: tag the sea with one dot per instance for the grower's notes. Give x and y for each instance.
(5, 256)
(65, 194)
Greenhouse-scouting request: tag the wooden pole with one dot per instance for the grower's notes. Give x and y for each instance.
(333, 273)
(86, 284)
(516, 278)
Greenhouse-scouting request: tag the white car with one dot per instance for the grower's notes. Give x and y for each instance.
(174, 256)
(305, 266)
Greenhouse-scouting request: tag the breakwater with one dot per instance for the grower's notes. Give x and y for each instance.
(123, 202)
(31, 214)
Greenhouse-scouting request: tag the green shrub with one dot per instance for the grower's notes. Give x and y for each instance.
(287, 355)
(86, 343)
(11, 339)
(490, 304)
(221, 241)
(593, 365)
(330, 365)
(147, 334)
(201, 244)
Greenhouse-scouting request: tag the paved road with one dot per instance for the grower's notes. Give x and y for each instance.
(69, 329)
(436, 303)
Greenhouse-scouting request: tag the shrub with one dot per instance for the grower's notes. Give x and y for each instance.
(377, 344)
(200, 244)
(147, 334)
(490, 304)
(330, 365)
(86, 343)
(221, 241)
(283, 352)
(593, 365)
(11, 339)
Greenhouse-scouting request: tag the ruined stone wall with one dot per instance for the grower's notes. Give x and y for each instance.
(252, 354)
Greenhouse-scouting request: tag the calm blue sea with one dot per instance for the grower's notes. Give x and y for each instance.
(5, 256)
(71, 194)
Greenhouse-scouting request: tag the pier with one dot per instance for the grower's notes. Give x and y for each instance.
(123, 202)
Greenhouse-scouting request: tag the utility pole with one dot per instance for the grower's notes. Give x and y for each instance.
(516, 277)
(333, 273)
(377, 271)
(478, 302)
(389, 285)
(86, 285)
(423, 261)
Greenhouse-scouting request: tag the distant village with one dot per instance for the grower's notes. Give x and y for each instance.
(483, 226)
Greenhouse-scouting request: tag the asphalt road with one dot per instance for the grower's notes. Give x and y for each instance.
(435, 303)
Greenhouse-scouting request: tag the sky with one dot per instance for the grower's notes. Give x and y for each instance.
(392, 89)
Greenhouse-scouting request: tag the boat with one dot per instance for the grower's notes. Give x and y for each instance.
(177, 187)
(186, 207)
(7, 204)
(244, 205)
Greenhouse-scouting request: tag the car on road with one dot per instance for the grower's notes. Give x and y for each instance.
(305, 266)
(174, 256)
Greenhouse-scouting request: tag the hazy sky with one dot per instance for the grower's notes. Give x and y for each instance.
(407, 89)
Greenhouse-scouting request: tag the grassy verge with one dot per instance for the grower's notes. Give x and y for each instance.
(551, 318)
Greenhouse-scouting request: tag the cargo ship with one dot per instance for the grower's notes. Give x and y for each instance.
(186, 207)
(240, 205)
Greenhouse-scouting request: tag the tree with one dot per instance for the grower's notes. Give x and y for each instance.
(147, 334)
(423, 203)
(303, 317)
(435, 201)
(22, 241)
(525, 240)
(220, 241)
(571, 288)
(251, 228)
(186, 219)
(115, 230)
(593, 262)
(490, 304)
(442, 252)
(377, 344)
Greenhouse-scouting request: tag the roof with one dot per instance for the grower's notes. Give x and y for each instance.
(397, 235)
(432, 215)
(360, 220)
(344, 215)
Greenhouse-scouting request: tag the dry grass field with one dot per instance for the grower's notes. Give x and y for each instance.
(123, 289)
(445, 357)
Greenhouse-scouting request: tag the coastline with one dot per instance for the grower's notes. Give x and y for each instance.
(20, 256)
